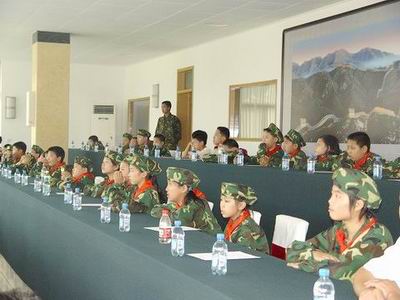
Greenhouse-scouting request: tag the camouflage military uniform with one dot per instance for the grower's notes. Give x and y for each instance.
(325, 162)
(195, 212)
(55, 174)
(140, 199)
(26, 163)
(270, 157)
(392, 168)
(244, 230)
(298, 159)
(6, 157)
(170, 127)
(86, 179)
(370, 241)
(37, 149)
(125, 148)
(36, 169)
(365, 164)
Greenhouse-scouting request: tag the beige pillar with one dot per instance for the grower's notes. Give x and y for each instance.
(50, 84)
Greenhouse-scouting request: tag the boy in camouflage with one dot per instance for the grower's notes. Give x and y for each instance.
(26, 163)
(143, 138)
(356, 236)
(126, 139)
(66, 176)
(109, 167)
(241, 228)
(144, 195)
(38, 166)
(183, 204)
(36, 151)
(81, 175)
(392, 168)
(231, 148)
(159, 141)
(327, 150)
(292, 144)
(358, 155)
(55, 158)
(270, 152)
(6, 157)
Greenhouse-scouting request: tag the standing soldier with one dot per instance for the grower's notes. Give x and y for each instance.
(169, 126)
(356, 236)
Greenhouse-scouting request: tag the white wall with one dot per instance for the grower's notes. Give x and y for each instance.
(250, 56)
(16, 81)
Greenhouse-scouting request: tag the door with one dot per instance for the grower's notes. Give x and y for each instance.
(138, 114)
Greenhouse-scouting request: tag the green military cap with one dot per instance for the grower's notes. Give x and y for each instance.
(144, 132)
(67, 168)
(84, 161)
(37, 149)
(275, 131)
(295, 138)
(8, 147)
(128, 158)
(239, 192)
(145, 164)
(115, 157)
(358, 184)
(183, 177)
(127, 135)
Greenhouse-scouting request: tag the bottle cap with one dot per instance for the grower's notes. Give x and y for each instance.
(220, 237)
(323, 272)
(124, 205)
(165, 212)
(77, 190)
(177, 223)
(105, 199)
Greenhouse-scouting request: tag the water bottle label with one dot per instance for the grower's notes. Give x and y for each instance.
(165, 233)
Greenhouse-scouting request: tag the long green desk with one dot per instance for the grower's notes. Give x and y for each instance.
(63, 254)
(293, 193)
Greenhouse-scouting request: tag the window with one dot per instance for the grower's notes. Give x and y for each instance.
(252, 107)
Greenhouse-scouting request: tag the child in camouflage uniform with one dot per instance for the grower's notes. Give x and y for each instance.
(184, 205)
(81, 175)
(38, 166)
(241, 228)
(358, 155)
(392, 168)
(26, 163)
(326, 149)
(159, 141)
(292, 144)
(36, 151)
(144, 196)
(109, 167)
(126, 140)
(270, 152)
(55, 158)
(6, 157)
(356, 236)
(143, 139)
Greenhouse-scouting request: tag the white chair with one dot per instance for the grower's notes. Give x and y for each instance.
(287, 230)
(211, 205)
(256, 216)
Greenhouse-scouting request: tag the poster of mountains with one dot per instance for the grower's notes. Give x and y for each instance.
(347, 79)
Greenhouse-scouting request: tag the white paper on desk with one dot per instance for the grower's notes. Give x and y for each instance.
(392, 179)
(324, 172)
(231, 255)
(185, 228)
(59, 193)
(91, 204)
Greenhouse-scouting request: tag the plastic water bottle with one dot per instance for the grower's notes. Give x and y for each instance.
(46, 185)
(240, 158)
(378, 166)
(96, 148)
(17, 176)
(9, 172)
(24, 178)
(106, 148)
(119, 150)
(177, 240)
(285, 162)
(164, 228)
(146, 151)
(105, 211)
(193, 156)
(77, 200)
(323, 287)
(83, 146)
(42, 173)
(311, 165)
(224, 158)
(72, 145)
(219, 265)
(131, 150)
(37, 184)
(178, 153)
(124, 218)
(157, 152)
(68, 194)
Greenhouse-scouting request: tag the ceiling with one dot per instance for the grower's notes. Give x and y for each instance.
(128, 31)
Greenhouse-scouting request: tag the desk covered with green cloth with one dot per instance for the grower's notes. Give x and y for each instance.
(292, 193)
(66, 254)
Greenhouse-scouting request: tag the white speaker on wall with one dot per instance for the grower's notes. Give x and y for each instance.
(155, 95)
(11, 107)
(30, 109)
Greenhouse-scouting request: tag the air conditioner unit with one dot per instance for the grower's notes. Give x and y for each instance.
(103, 123)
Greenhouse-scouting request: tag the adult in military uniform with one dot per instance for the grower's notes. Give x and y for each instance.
(169, 126)
(356, 236)
(241, 228)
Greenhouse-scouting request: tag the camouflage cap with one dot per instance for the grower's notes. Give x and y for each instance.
(8, 147)
(67, 168)
(295, 138)
(37, 149)
(145, 164)
(84, 161)
(128, 158)
(183, 177)
(239, 192)
(115, 157)
(144, 132)
(358, 184)
(275, 131)
(127, 135)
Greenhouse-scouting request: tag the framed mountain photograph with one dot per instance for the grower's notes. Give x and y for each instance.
(342, 74)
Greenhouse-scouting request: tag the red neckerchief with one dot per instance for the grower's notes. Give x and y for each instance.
(108, 181)
(199, 194)
(361, 162)
(322, 158)
(57, 166)
(78, 179)
(147, 184)
(294, 153)
(341, 235)
(273, 150)
(233, 224)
